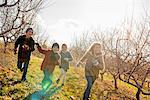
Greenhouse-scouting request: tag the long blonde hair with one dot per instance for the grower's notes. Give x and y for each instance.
(90, 50)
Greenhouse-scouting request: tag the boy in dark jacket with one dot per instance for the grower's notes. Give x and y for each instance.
(26, 46)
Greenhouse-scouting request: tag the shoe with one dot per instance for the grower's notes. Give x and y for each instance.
(23, 79)
(62, 84)
(18, 67)
(57, 81)
(22, 69)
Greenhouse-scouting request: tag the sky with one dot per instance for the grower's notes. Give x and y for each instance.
(62, 19)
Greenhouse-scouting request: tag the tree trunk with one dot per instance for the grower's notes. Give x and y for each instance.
(102, 76)
(115, 83)
(138, 94)
(5, 44)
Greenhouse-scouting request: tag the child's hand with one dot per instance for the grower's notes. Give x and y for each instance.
(57, 52)
(95, 63)
(78, 64)
(37, 44)
(66, 59)
(25, 47)
(15, 51)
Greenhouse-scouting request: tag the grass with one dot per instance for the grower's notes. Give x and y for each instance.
(73, 89)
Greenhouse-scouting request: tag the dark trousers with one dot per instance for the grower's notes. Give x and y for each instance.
(25, 67)
(90, 81)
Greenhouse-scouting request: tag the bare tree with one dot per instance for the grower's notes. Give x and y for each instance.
(5, 4)
(79, 45)
(133, 58)
(16, 18)
(128, 56)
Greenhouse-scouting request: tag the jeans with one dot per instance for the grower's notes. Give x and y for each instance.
(25, 67)
(90, 81)
(47, 81)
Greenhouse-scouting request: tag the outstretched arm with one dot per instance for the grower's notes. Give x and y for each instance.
(83, 58)
(40, 49)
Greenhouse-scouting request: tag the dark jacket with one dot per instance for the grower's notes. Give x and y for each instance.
(23, 53)
(50, 60)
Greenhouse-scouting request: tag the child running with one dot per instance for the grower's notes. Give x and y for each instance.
(66, 57)
(94, 63)
(52, 58)
(26, 47)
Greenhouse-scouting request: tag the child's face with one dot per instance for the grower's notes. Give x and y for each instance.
(29, 33)
(64, 48)
(97, 49)
(55, 49)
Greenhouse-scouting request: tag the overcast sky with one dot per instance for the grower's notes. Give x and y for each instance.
(62, 18)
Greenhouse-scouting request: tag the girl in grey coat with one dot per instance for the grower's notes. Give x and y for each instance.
(66, 57)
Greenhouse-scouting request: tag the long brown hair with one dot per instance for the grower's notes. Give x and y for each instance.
(91, 49)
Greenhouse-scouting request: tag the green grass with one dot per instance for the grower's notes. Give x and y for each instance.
(73, 89)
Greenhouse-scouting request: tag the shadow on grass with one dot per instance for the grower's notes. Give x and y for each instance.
(41, 95)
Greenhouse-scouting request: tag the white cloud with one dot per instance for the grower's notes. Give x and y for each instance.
(62, 30)
(65, 18)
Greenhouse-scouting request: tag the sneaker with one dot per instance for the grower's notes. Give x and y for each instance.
(22, 69)
(57, 81)
(23, 79)
(62, 84)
